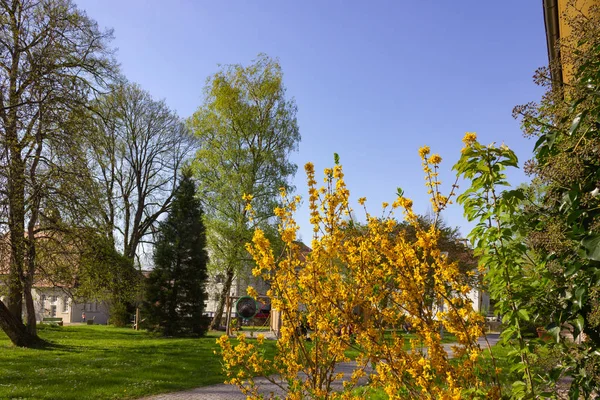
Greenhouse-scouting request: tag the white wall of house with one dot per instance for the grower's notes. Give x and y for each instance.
(96, 311)
(480, 299)
(239, 287)
(54, 303)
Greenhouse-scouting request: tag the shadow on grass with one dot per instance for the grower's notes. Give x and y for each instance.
(98, 362)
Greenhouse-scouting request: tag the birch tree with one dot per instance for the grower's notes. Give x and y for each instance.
(247, 129)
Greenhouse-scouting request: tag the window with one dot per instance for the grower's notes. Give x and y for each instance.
(53, 311)
(65, 304)
(43, 299)
(53, 299)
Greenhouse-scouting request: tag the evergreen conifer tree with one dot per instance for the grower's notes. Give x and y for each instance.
(175, 292)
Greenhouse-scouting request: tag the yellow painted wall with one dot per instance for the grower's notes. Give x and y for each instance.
(565, 30)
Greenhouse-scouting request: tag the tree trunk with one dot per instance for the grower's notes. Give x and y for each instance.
(30, 307)
(15, 330)
(16, 201)
(15, 294)
(31, 256)
(216, 321)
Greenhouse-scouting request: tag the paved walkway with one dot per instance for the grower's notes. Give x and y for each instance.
(230, 392)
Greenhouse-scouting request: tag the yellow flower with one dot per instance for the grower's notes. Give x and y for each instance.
(252, 292)
(435, 159)
(247, 197)
(473, 355)
(312, 288)
(337, 172)
(470, 138)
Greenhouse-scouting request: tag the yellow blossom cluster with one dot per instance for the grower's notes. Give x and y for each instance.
(357, 289)
(431, 168)
(469, 138)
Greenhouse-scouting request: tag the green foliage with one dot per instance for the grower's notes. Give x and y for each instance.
(498, 245)
(175, 290)
(246, 129)
(87, 266)
(564, 224)
(540, 243)
(105, 274)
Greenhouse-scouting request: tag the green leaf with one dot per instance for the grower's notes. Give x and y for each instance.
(523, 315)
(519, 386)
(336, 158)
(574, 392)
(575, 124)
(592, 247)
(579, 323)
(579, 292)
(399, 192)
(554, 332)
(551, 139)
(540, 142)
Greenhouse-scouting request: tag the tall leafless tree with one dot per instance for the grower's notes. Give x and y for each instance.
(138, 149)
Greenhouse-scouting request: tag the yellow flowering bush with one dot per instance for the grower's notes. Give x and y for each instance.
(354, 291)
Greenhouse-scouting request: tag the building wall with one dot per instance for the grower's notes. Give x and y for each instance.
(564, 13)
(98, 311)
(480, 299)
(238, 289)
(53, 302)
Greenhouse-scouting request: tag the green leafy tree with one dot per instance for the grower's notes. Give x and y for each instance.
(175, 290)
(564, 222)
(104, 274)
(495, 239)
(53, 58)
(247, 129)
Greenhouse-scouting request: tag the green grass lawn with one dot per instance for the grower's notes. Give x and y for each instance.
(99, 362)
(354, 352)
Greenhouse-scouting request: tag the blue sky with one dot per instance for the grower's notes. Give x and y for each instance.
(373, 81)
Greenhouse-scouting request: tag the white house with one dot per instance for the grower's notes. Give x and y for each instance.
(52, 301)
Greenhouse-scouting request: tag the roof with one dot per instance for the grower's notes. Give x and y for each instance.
(57, 260)
(552, 24)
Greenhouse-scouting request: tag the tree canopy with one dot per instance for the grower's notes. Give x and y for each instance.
(52, 59)
(247, 129)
